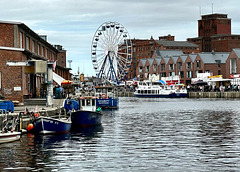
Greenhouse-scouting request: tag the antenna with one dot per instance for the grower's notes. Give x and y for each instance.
(200, 11)
(212, 8)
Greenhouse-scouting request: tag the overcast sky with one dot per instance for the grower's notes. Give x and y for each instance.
(73, 23)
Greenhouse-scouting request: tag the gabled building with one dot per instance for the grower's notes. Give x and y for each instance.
(148, 48)
(188, 66)
(233, 63)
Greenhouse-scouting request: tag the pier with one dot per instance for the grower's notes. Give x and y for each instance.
(200, 94)
(231, 94)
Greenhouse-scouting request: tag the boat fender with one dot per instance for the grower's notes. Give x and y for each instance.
(30, 127)
(37, 114)
(103, 96)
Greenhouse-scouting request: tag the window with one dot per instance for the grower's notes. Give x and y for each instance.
(179, 65)
(181, 74)
(189, 65)
(140, 69)
(38, 49)
(155, 68)
(33, 46)
(42, 52)
(171, 73)
(93, 102)
(198, 64)
(233, 66)
(83, 102)
(189, 74)
(147, 69)
(219, 72)
(163, 74)
(46, 53)
(21, 40)
(171, 67)
(27, 43)
(162, 67)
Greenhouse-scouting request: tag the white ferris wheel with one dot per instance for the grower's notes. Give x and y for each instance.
(111, 52)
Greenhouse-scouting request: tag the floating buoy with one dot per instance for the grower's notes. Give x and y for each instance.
(30, 127)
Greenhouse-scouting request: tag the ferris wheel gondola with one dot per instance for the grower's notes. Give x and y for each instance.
(111, 52)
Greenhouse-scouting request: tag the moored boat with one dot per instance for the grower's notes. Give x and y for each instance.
(9, 136)
(106, 97)
(160, 90)
(87, 115)
(11, 130)
(48, 125)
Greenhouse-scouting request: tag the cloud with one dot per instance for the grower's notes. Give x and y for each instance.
(72, 23)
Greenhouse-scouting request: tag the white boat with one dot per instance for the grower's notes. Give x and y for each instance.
(159, 89)
(9, 136)
(10, 131)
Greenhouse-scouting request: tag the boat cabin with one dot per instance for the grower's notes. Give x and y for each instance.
(88, 103)
(104, 91)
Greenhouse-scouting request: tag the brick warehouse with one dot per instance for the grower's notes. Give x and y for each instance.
(187, 66)
(19, 43)
(146, 48)
(214, 34)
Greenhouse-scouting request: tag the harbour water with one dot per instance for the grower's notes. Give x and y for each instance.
(142, 135)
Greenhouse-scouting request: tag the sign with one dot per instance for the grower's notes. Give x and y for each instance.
(235, 76)
(215, 76)
(17, 88)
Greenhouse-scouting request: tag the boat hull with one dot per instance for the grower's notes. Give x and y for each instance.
(176, 95)
(173, 95)
(84, 118)
(109, 103)
(47, 125)
(9, 137)
(152, 95)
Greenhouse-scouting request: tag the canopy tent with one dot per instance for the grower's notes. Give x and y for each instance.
(58, 79)
(162, 81)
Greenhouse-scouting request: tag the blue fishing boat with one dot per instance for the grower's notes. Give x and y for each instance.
(49, 125)
(106, 97)
(87, 115)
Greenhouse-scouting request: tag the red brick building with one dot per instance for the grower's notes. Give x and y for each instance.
(214, 34)
(19, 43)
(147, 49)
(187, 66)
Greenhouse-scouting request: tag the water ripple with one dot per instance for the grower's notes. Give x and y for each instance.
(143, 135)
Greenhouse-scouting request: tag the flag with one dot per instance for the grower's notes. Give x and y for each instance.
(36, 109)
(25, 111)
(54, 65)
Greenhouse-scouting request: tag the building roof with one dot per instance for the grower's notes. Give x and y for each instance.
(166, 59)
(150, 61)
(158, 60)
(192, 57)
(168, 53)
(175, 58)
(167, 43)
(183, 57)
(214, 57)
(143, 61)
(237, 51)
